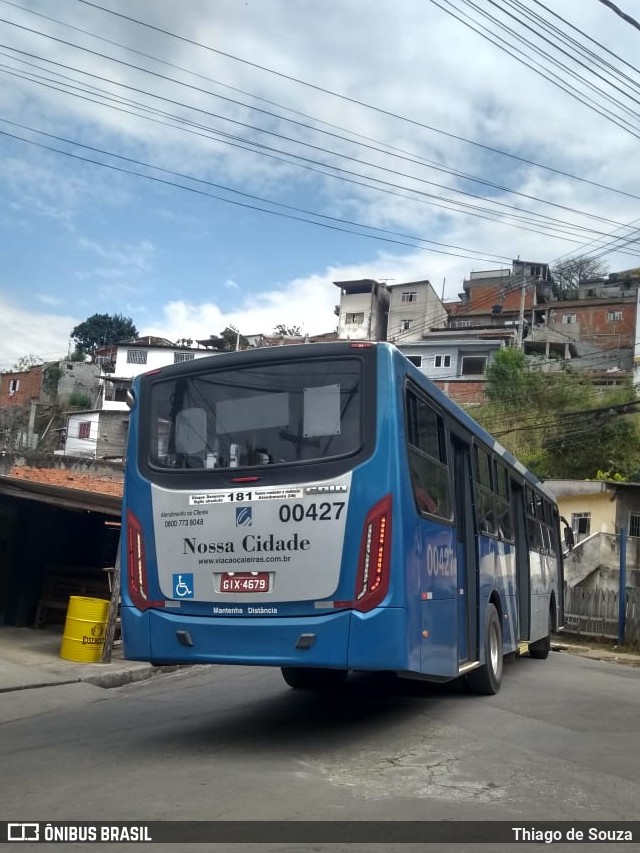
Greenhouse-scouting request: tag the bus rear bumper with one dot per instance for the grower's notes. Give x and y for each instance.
(167, 638)
(341, 640)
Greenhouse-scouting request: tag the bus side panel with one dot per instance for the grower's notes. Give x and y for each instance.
(440, 647)
(426, 565)
(543, 575)
(497, 573)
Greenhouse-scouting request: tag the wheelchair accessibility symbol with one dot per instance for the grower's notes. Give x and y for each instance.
(183, 586)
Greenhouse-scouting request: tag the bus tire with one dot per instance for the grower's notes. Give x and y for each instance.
(309, 678)
(486, 680)
(541, 648)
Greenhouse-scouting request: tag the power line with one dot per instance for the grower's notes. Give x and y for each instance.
(297, 141)
(545, 220)
(328, 225)
(505, 47)
(621, 14)
(346, 98)
(333, 153)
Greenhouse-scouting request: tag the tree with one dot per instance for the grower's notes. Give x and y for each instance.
(287, 331)
(26, 362)
(559, 424)
(508, 376)
(102, 330)
(232, 339)
(568, 274)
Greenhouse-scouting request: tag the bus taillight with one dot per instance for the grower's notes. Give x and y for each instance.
(137, 566)
(372, 581)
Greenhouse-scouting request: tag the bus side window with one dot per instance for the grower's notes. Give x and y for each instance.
(485, 501)
(428, 459)
(503, 503)
(549, 529)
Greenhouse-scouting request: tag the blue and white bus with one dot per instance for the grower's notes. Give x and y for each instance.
(325, 508)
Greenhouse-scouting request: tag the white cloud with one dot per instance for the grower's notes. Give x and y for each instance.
(409, 59)
(24, 332)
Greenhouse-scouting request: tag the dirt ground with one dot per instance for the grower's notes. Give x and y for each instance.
(68, 479)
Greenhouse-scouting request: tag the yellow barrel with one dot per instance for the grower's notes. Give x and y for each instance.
(84, 629)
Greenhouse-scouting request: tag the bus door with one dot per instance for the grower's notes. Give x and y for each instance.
(466, 552)
(522, 560)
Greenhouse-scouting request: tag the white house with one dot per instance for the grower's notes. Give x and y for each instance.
(101, 431)
(362, 313)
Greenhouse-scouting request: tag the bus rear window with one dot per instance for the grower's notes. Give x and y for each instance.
(265, 414)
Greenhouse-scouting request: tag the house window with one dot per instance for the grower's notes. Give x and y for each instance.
(136, 356)
(352, 319)
(180, 357)
(473, 366)
(415, 359)
(614, 316)
(581, 523)
(634, 524)
(405, 325)
(84, 429)
(461, 324)
(568, 319)
(442, 361)
(14, 384)
(409, 296)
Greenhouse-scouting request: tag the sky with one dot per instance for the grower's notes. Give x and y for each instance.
(201, 164)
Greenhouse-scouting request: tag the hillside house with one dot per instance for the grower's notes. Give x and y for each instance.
(30, 400)
(597, 510)
(414, 309)
(363, 310)
(100, 431)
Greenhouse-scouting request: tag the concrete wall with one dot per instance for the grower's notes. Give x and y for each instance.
(112, 434)
(596, 562)
(78, 377)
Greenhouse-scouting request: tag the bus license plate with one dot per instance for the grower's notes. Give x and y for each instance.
(244, 582)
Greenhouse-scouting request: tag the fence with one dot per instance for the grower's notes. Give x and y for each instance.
(594, 613)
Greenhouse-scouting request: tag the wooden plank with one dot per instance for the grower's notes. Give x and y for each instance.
(114, 611)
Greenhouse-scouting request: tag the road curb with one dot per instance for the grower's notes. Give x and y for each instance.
(109, 680)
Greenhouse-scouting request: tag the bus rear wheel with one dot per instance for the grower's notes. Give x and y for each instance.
(486, 680)
(309, 678)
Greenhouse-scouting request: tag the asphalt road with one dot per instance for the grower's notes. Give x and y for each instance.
(561, 741)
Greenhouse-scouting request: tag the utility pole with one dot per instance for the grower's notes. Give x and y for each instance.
(523, 291)
(237, 331)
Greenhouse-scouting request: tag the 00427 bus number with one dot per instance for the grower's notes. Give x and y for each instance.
(315, 512)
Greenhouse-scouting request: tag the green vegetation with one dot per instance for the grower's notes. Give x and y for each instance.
(232, 339)
(558, 423)
(79, 400)
(51, 378)
(101, 330)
